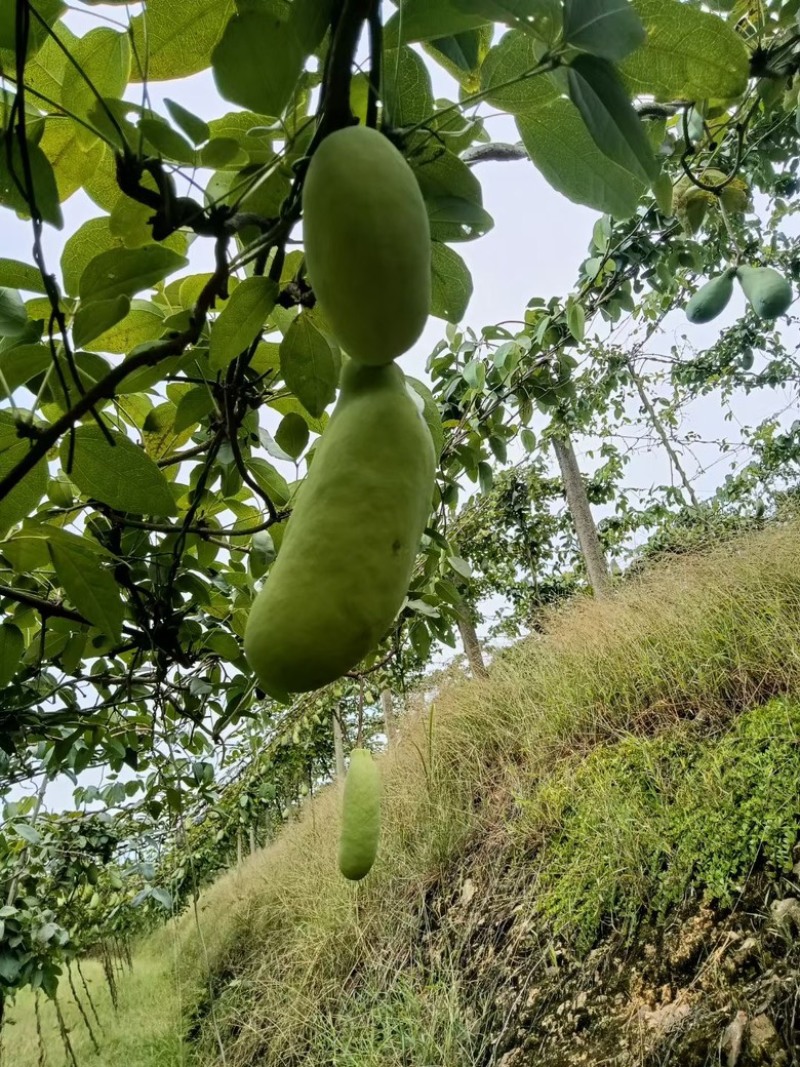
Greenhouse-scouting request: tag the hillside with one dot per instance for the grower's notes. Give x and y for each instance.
(590, 858)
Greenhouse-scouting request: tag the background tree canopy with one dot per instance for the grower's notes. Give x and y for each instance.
(157, 418)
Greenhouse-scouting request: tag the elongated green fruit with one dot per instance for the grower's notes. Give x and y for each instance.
(711, 299)
(768, 292)
(361, 816)
(367, 244)
(345, 562)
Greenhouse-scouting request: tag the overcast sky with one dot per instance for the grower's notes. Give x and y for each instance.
(538, 241)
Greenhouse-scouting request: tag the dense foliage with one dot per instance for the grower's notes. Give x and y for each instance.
(164, 385)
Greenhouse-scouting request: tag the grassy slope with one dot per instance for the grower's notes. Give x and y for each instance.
(601, 772)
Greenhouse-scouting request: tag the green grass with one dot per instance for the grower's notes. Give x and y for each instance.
(145, 1032)
(645, 746)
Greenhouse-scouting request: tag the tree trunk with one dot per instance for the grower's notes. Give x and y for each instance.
(472, 646)
(238, 848)
(338, 747)
(578, 504)
(252, 832)
(389, 721)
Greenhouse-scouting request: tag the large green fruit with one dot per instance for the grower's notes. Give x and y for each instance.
(361, 816)
(346, 558)
(768, 292)
(367, 244)
(711, 299)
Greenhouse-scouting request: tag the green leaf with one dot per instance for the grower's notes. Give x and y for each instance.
(125, 271)
(13, 316)
(122, 476)
(616, 129)
(90, 587)
(258, 61)
(408, 95)
(607, 28)
(43, 181)
(12, 645)
(451, 286)
(28, 833)
(688, 55)
(102, 57)
(20, 501)
(424, 20)
(95, 317)
(144, 322)
(193, 408)
(308, 365)
(271, 480)
(453, 197)
(16, 275)
(559, 144)
(196, 129)
(47, 11)
(430, 412)
(576, 319)
(460, 566)
(539, 17)
(175, 42)
(167, 142)
(505, 75)
(241, 320)
(292, 434)
(18, 365)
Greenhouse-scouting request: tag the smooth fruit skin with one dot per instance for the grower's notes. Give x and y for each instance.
(768, 292)
(711, 299)
(361, 816)
(367, 244)
(346, 559)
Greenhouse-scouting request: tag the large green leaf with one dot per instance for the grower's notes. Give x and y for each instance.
(47, 11)
(308, 365)
(539, 17)
(20, 501)
(258, 61)
(126, 271)
(90, 586)
(102, 57)
(559, 144)
(196, 129)
(453, 197)
(607, 28)
(121, 476)
(292, 434)
(271, 480)
(689, 54)
(21, 363)
(241, 320)
(16, 275)
(12, 645)
(614, 126)
(451, 283)
(408, 95)
(144, 322)
(175, 41)
(43, 181)
(425, 20)
(94, 317)
(73, 153)
(506, 75)
(13, 316)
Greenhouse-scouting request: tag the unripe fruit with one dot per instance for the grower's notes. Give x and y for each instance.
(346, 558)
(367, 244)
(768, 292)
(711, 299)
(361, 816)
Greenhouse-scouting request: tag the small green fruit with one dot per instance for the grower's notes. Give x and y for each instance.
(367, 244)
(768, 292)
(361, 816)
(711, 299)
